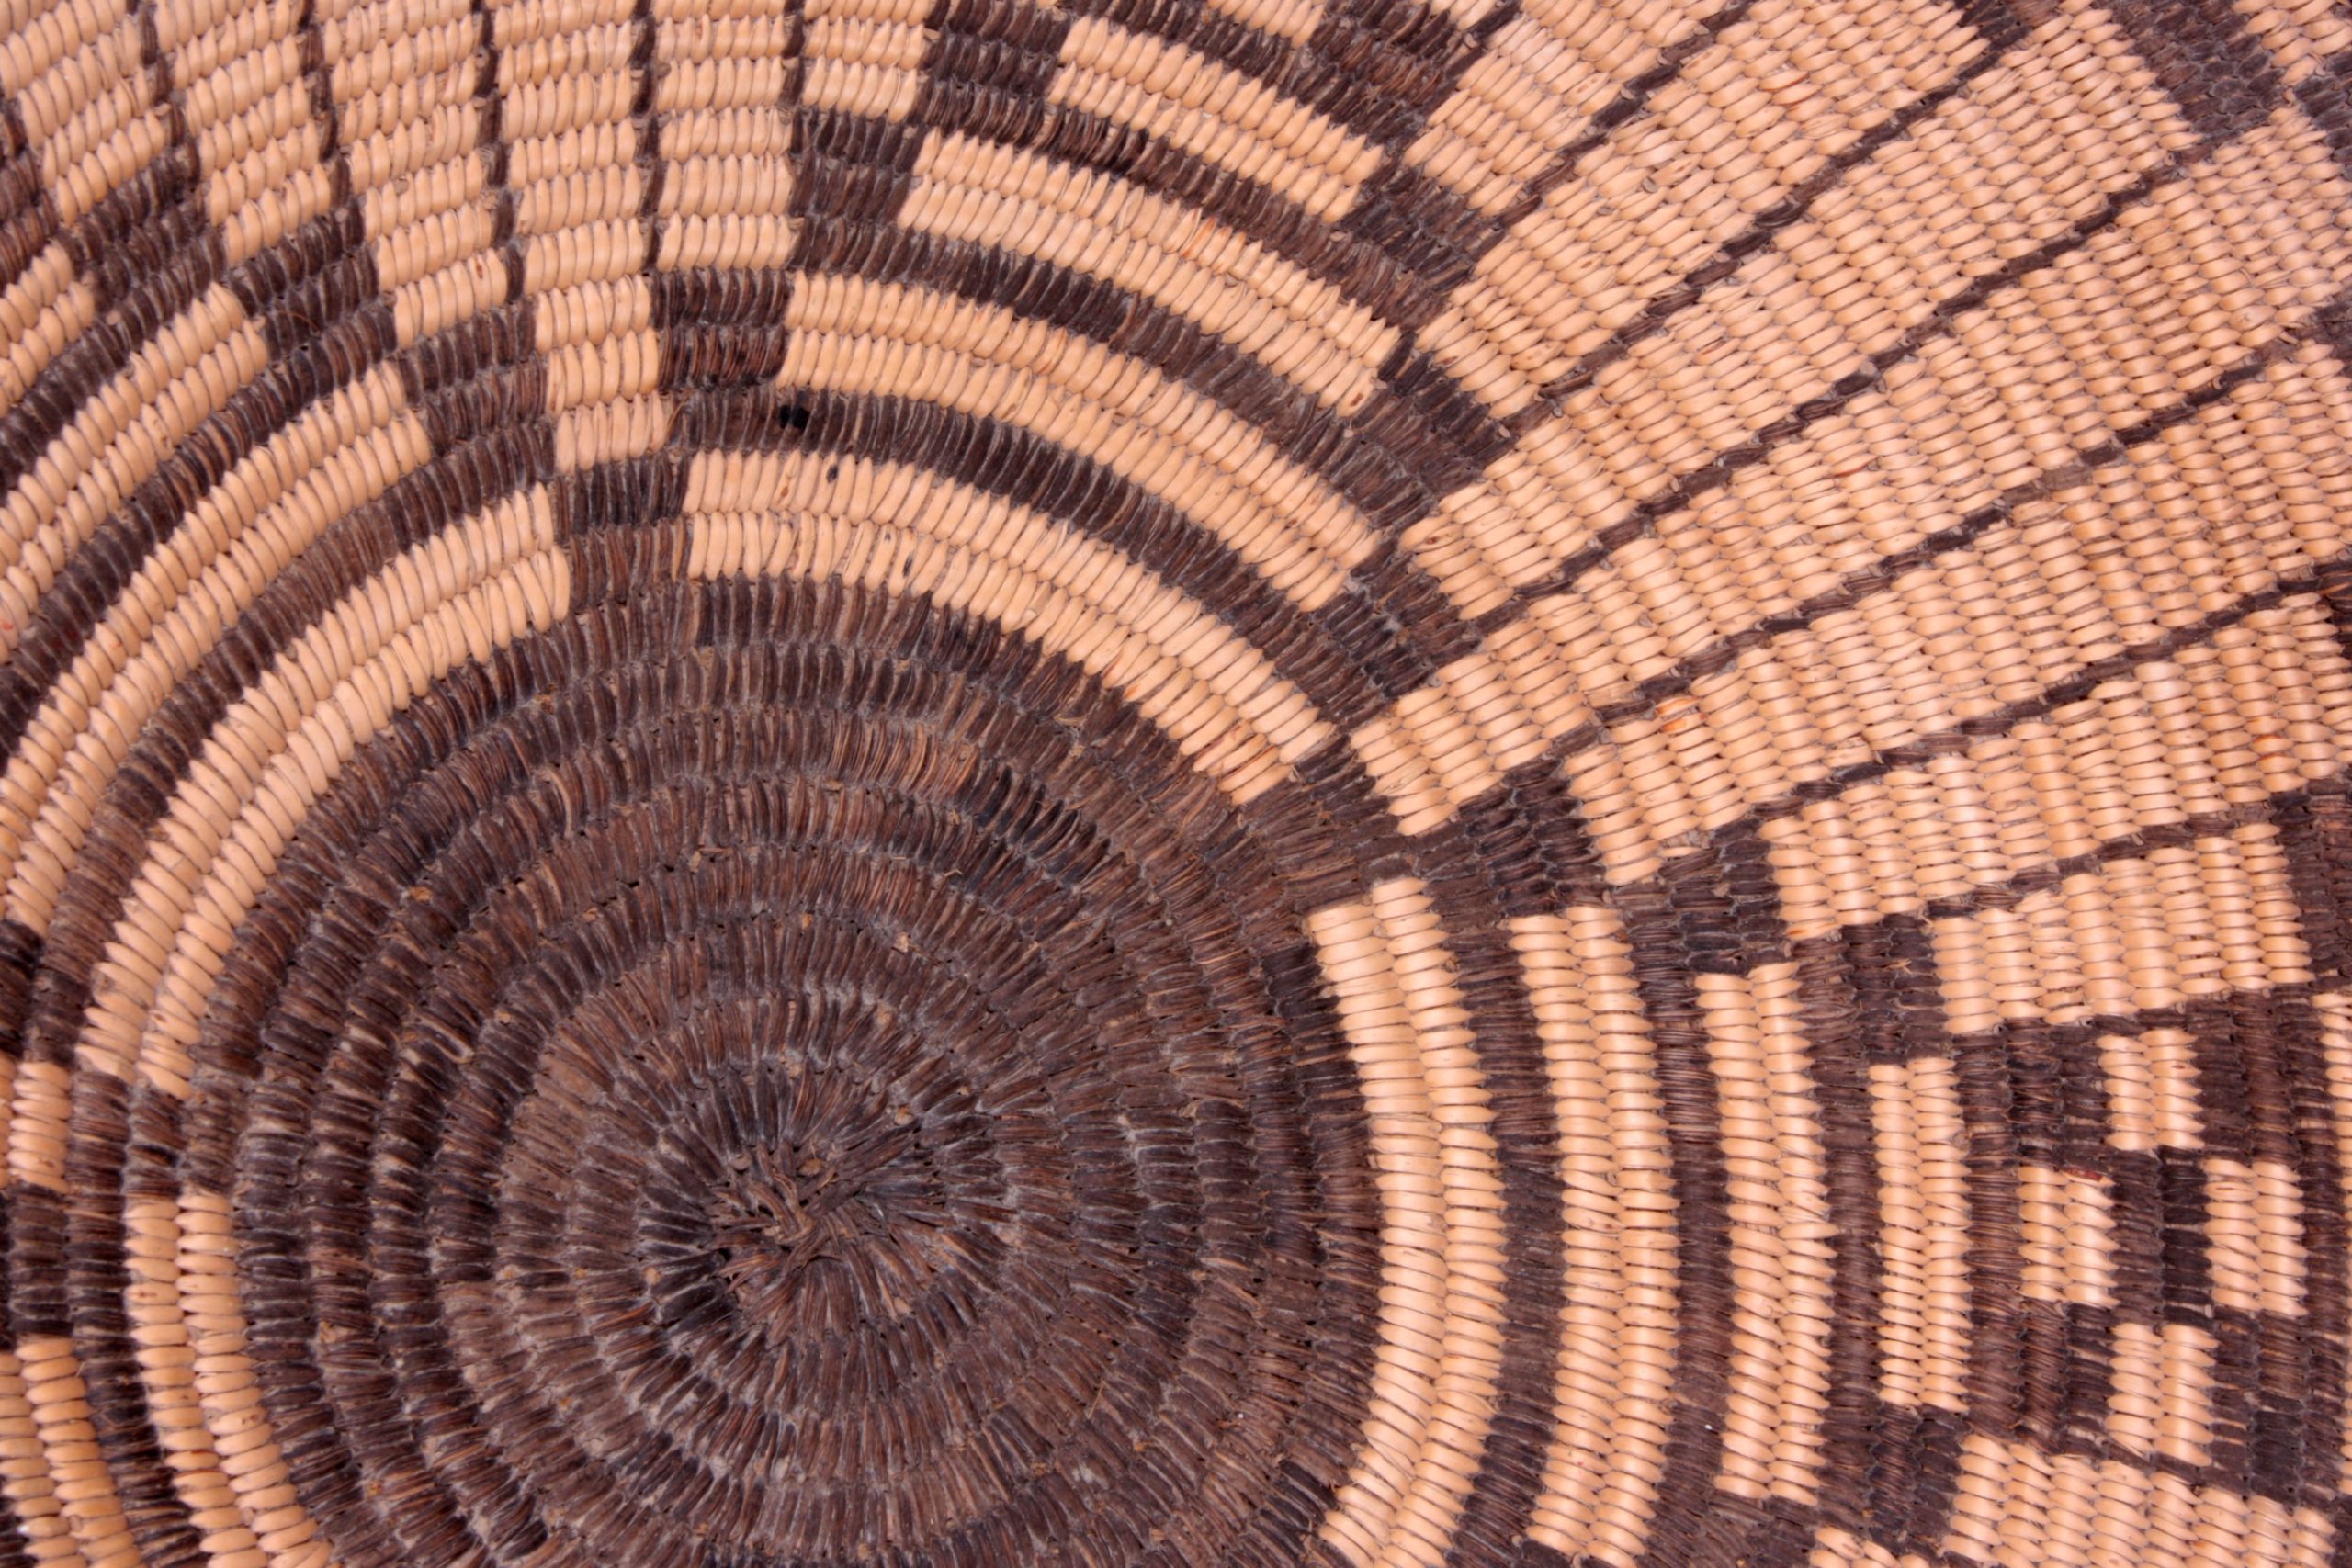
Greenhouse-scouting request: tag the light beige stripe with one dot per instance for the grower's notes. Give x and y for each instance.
(343, 450)
(199, 1387)
(90, 123)
(2254, 1235)
(906, 530)
(77, 1477)
(1441, 1243)
(1970, 631)
(2152, 1090)
(24, 1478)
(2139, 932)
(1837, 1548)
(1294, 21)
(2161, 1384)
(1536, 86)
(1612, 1381)
(1672, 185)
(494, 576)
(1165, 251)
(1780, 1231)
(1924, 1328)
(1216, 113)
(67, 68)
(2299, 36)
(404, 79)
(864, 58)
(604, 433)
(38, 34)
(2262, 706)
(885, 340)
(763, 132)
(603, 370)
(2273, 694)
(2066, 1236)
(48, 305)
(39, 1101)
(2019, 385)
(2019, 1507)
(257, 198)
(118, 441)
(1487, 711)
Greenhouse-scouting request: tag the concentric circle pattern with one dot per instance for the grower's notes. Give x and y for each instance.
(955, 784)
(746, 1080)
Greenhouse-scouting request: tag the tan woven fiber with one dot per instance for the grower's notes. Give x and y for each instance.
(1175, 783)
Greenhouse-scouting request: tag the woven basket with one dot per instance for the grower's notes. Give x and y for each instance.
(954, 783)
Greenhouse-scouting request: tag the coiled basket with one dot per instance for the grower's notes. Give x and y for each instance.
(1133, 784)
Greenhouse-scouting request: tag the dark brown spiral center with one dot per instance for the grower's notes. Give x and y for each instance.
(815, 1235)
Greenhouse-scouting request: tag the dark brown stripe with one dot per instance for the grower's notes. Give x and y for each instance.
(1510, 1478)
(2257, 1443)
(1842, 1001)
(986, 68)
(849, 168)
(1749, 1532)
(2325, 97)
(1346, 657)
(352, 550)
(1386, 65)
(1441, 434)
(1381, 69)
(19, 961)
(1888, 969)
(28, 216)
(2315, 831)
(1533, 839)
(1915, 1477)
(8, 1196)
(489, 145)
(1995, 1383)
(2068, 1353)
(98, 1283)
(38, 1306)
(145, 251)
(96, 575)
(1665, 974)
(481, 378)
(1356, 461)
(2207, 59)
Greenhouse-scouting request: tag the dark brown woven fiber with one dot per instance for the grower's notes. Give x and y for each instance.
(1176, 783)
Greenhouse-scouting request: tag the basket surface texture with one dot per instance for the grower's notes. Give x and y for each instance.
(1133, 783)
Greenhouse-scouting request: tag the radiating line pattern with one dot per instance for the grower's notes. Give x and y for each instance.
(1388, 783)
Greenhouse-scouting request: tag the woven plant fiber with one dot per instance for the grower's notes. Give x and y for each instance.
(1175, 783)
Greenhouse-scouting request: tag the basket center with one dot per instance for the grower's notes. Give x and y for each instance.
(825, 1231)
